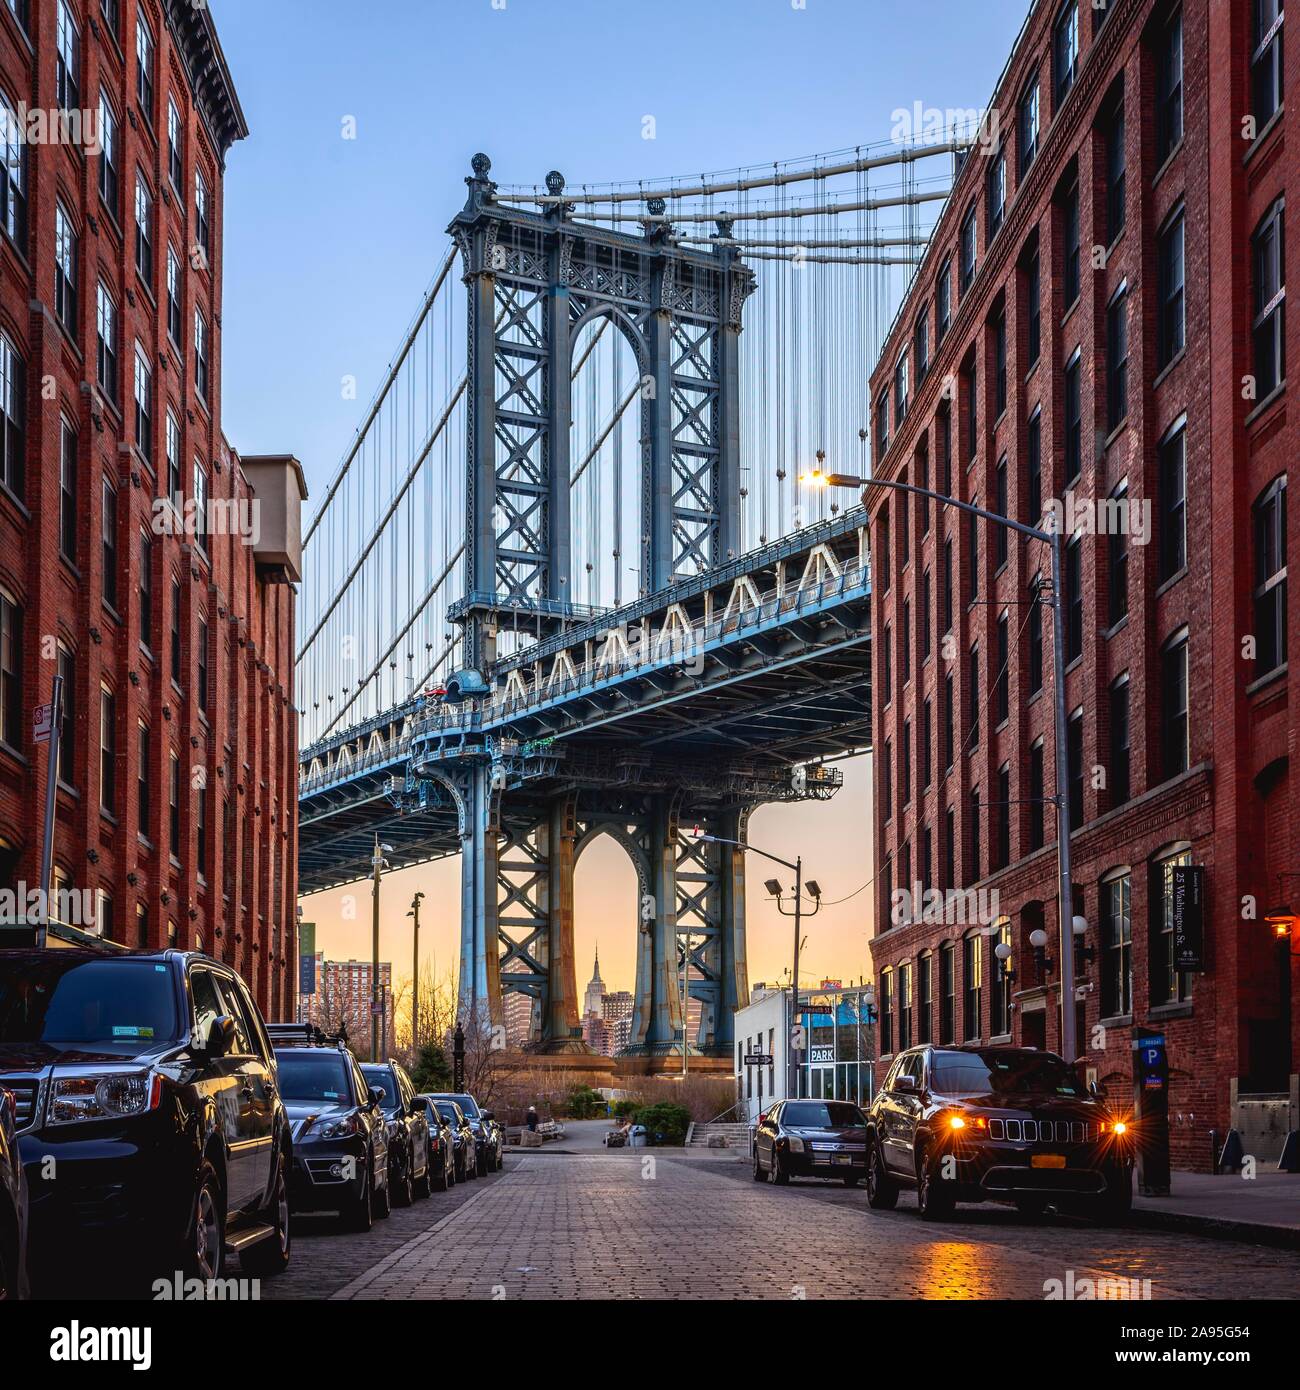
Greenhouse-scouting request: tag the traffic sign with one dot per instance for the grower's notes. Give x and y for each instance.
(758, 1059)
(42, 723)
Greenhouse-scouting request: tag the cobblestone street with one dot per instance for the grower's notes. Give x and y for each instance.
(632, 1226)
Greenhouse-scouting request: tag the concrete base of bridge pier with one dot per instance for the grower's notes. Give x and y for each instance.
(670, 1065)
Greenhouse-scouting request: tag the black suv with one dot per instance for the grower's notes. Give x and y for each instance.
(340, 1134)
(13, 1206)
(145, 1080)
(488, 1139)
(980, 1124)
(408, 1131)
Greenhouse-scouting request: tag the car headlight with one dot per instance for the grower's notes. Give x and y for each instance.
(340, 1129)
(102, 1096)
(796, 1145)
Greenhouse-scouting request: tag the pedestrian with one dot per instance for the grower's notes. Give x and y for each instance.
(532, 1118)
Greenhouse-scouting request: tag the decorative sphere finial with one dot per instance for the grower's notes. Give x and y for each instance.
(555, 183)
(481, 165)
(656, 207)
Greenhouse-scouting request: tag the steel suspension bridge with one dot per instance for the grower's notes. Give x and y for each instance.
(564, 582)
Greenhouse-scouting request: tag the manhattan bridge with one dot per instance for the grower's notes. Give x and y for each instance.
(564, 582)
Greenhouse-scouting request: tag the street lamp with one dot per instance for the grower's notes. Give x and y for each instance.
(377, 863)
(415, 978)
(1052, 539)
(773, 886)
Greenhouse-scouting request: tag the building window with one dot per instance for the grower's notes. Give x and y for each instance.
(200, 506)
(143, 233)
(881, 571)
(13, 391)
(1270, 303)
(1035, 635)
(1074, 749)
(947, 992)
(1171, 325)
(966, 249)
(976, 871)
(106, 341)
(202, 224)
(13, 175)
(201, 831)
(1000, 363)
(1072, 238)
(1173, 502)
(146, 588)
(948, 750)
(905, 643)
(882, 423)
(1120, 754)
(973, 704)
(887, 777)
(1117, 558)
(924, 997)
(174, 807)
(1037, 797)
(1002, 845)
(1034, 308)
(67, 63)
(108, 543)
(112, 12)
(1000, 1001)
(926, 735)
(1001, 534)
(887, 667)
(142, 782)
(68, 729)
(1116, 171)
(174, 297)
(972, 414)
(945, 587)
(1029, 121)
(201, 354)
(972, 969)
(144, 51)
(1117, 947)
(68, 494)
(1034, 468)
(201, 656)
(886, 1012)
(950, 848)
(1266, 60)
(926, 621)
(1065, 49)
(1270, 577)
(107, 751)
(904, 1006)
(175, 487)
(1117, 361)
(1073, 598)
(1169, 89)
(143, 404)
(1173, 706)
(1168, 984)
(176, 631)
(906, 788)
(175, 169)
(1002, 684)
(996, 193)
(1073, 423)
(65, 269)
(11, 671)
(974, 524)
(921, 345)
(945, 449)
(900, 388)
(942, 302)
(109, 177)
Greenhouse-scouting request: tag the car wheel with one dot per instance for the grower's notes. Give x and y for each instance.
(882, 1190)
(271, 1256)
(440, 1178)
(202, 1254)
(780, 1173)
(1114, 1205)
(422, 1184)
(401, 1185)
(360, 1216)
(934, 1199)
(759, 1174)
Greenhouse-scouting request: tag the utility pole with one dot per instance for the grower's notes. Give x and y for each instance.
(54, 738)
(415, 978)
(376, 993)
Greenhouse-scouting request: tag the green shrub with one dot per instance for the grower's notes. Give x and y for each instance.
(665, 1123)
(584, 1104)
(623, 1108)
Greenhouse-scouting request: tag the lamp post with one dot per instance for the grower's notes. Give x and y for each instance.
(774, 888)
(415, 977)
(376, 997)
(1065, 889)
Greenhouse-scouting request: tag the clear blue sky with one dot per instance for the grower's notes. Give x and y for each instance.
(329, 243)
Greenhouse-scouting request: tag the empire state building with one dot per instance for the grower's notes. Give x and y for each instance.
(593, 1002)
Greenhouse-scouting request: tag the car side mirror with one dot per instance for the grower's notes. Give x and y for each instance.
(1095, 1088)
(906, 1085)
(220, 1040)
(376, 1094)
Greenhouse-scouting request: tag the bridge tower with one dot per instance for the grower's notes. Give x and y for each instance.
(534, 279)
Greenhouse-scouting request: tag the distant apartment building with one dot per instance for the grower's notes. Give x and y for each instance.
(343, 999)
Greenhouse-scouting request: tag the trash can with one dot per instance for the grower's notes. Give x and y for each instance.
(636, 1137)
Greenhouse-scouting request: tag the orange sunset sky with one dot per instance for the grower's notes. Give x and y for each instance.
(833, 837)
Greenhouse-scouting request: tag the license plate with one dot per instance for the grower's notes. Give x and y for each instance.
(841, 1158)
(1047, 1161)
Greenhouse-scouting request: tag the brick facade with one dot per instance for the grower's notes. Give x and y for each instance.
(1224, 794)
(72, 593)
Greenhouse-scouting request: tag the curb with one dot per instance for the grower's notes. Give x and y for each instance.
(1218, 1228)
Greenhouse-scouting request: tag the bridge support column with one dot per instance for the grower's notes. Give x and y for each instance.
(733, 967)
(561, 1027)
(656, 1017)
(480, 974)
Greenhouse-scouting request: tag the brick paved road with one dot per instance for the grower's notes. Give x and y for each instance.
(599, 1226)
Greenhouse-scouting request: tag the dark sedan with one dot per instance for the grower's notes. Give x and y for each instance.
(408, 1131)
(979, 1124)
(464, 1163)
(489, 1141)
(442, 1169)
(811, 1138)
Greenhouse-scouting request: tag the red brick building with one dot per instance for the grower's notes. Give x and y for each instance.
(176, 805)
(1100, 318)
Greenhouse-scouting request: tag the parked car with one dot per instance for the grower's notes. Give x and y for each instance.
(408, 1131)
(463, 1158)
(442, 1169)
(148, 1077)
(489, 1139)
(811, 1138)
(13, 1205)
(1017, 1124)
(340, 1134)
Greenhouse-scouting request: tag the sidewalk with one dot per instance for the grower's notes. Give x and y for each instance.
(1264, 1209)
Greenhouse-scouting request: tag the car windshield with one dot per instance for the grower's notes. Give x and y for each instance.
(822, 1114)
(384, 1079)
(1003, 1072)
(322, 1077)
(448, 1112)
(87, 1001)
(468, 1106)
